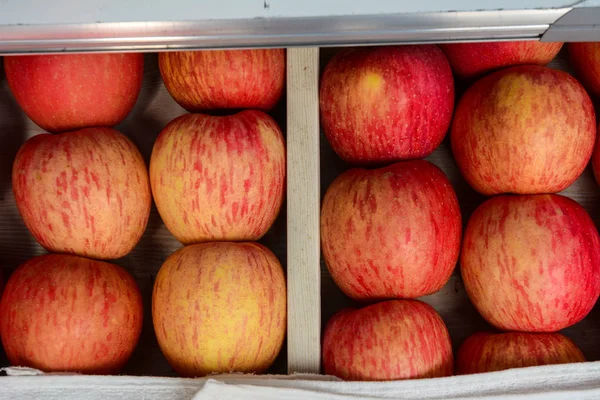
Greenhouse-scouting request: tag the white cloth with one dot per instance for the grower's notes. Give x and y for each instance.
(556, 382)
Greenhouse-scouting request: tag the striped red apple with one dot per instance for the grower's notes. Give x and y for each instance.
(397, 339)
(84, 192)
(224, 79)
(596, 161)
(385, 104)
(517, 131)
(487, 352)
(219, 178)
(220, 307)
(585, 59)
(68, 313)
(531, 263)
(72, 91)
(469, 60)
(392, 232)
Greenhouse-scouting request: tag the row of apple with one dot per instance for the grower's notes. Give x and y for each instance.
(84, 191)
(524, 129)
(530, 263)
(374, 239)
(87, 190)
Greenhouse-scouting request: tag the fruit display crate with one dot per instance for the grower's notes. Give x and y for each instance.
(313, 296)
(312, 165)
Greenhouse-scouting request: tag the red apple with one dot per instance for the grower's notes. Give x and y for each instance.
(84, 192)
(469, 60)
(531, 263)
(220, 307)
(385, 104)
(68, 313)
(487, 352)
(219, 178)
(585, 59)
(391, 232)
(397, 339)
(518, 131)
(596, 161)
(72, 91)
(214, 79)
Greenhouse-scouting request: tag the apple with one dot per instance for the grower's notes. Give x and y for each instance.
(517, 131)
(230, 79)
(486, 352)
(585, 59)
(392, 232)
(531, 263)
(219, 178)
(396, 339)
(596, 161)
(469, 60)
(68, 313)
(384, 104)
(84, 192)
(72, 91)
(220, 307)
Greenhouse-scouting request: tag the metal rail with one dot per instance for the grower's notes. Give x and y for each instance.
(35, 32)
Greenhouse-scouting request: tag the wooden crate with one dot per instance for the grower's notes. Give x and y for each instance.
(312, 165)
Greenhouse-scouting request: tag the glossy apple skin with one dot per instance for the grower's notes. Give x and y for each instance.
(68, 313)
(224, 79)
(469, 60)
(487, 352)
(516, 131)
(72, 91)
(585, 59)
(385, 104)
(220, 307)
(392, 232)
(219, 178)
(84, 192)
(531, 263)
(596, 161)
(396, 339)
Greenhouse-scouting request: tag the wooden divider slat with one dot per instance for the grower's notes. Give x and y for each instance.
(303, 202)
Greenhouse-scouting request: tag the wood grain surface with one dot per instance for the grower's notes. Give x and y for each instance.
(304, 312)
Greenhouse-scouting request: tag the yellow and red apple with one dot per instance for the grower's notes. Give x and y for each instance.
(470, 60)
(531, 263)
(224, 79)
(385, 104)
(73, 91)
(220, 307)
(487, 352)
(84, 192)
(219, 178)
(392, 232)
(396, 339)
(68, 313)
(523, 130)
